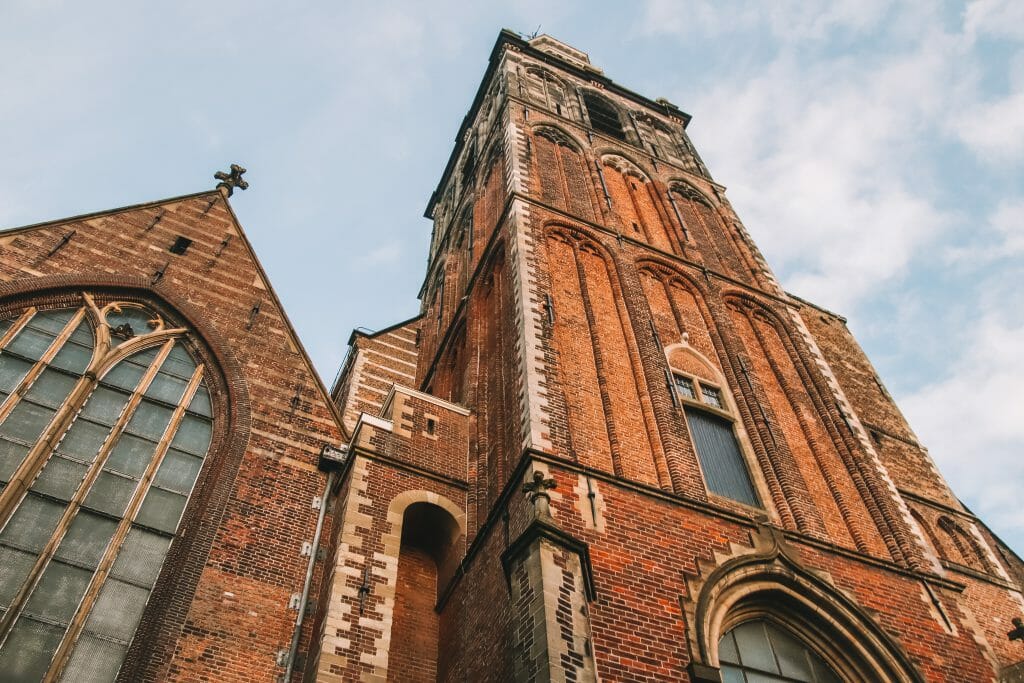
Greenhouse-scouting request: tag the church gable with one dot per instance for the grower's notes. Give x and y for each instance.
(239, 547)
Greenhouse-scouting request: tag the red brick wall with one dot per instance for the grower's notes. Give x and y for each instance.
(414, 635)
(220, 609)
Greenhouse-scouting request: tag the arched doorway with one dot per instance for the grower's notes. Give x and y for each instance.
(427, 559)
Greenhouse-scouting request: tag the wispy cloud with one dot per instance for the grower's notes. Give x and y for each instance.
(974, 418)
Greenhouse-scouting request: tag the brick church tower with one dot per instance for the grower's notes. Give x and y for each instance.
(609, 448)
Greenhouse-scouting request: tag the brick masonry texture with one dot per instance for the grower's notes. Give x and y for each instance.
(220, 609)
(521, 497)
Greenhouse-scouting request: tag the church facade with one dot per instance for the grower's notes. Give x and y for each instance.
(610, 446)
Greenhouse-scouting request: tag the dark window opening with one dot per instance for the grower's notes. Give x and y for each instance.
(468, 166)
(181, 245)
(603, 116)
(431, 426)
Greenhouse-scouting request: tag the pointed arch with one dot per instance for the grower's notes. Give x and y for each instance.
(634, 199)
(139, 332)
(971, 552)
(774, 586)
(550, 91)
(588, 306)
(557, 134)
(604, 115)
(560, 171)
(824, 452)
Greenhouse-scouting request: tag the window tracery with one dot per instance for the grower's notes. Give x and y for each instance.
(105, 423)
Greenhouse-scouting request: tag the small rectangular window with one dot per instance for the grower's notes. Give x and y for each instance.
(711, 396)
(684, 386)
(181, 245)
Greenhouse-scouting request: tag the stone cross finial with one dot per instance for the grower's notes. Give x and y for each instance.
(229, 181)
(538, 490)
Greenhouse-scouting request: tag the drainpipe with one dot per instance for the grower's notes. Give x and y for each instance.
(309, 579)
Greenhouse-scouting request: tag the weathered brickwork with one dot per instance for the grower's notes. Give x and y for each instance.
(221, 607)
(518, 489)
(606, 263)
(376, 361)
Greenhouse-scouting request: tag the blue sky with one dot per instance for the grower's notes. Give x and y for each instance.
(873, 149)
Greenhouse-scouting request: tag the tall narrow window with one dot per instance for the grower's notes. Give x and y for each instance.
(714, 438)
(104, 427)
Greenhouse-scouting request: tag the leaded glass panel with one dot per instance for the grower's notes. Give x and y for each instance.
(75, 355)
(11, 455)
(56, 596)
(193, 435)
(12, 371)
(161, 510)
(51, 388)
(32, 523)
(150, 420)
(60, 477)
(761, 652)
(127, 373)
(178, 471)
(83, 439)
(117, 610)
(94, 659)
(684, 385)
(201, 403)
(86, 539)
(26, 655)
(166, 388)
(26, 422)
(141, 557)
(30, 343)
(110, 493)
(130, 455)
(14, 568)
(52, 321)
(105, 405)
(711, 396)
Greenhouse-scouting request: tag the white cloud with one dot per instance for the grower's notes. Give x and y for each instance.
(788, 20)
(1006, 228)
(972, 419)
(820, 158)
(1003, 18)
(994, 131)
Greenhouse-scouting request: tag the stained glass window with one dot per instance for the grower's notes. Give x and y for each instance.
(108, 465)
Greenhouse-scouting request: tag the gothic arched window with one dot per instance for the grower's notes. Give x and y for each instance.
(759, 651)
(604, 117)
(105, 422)
(713, 433)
